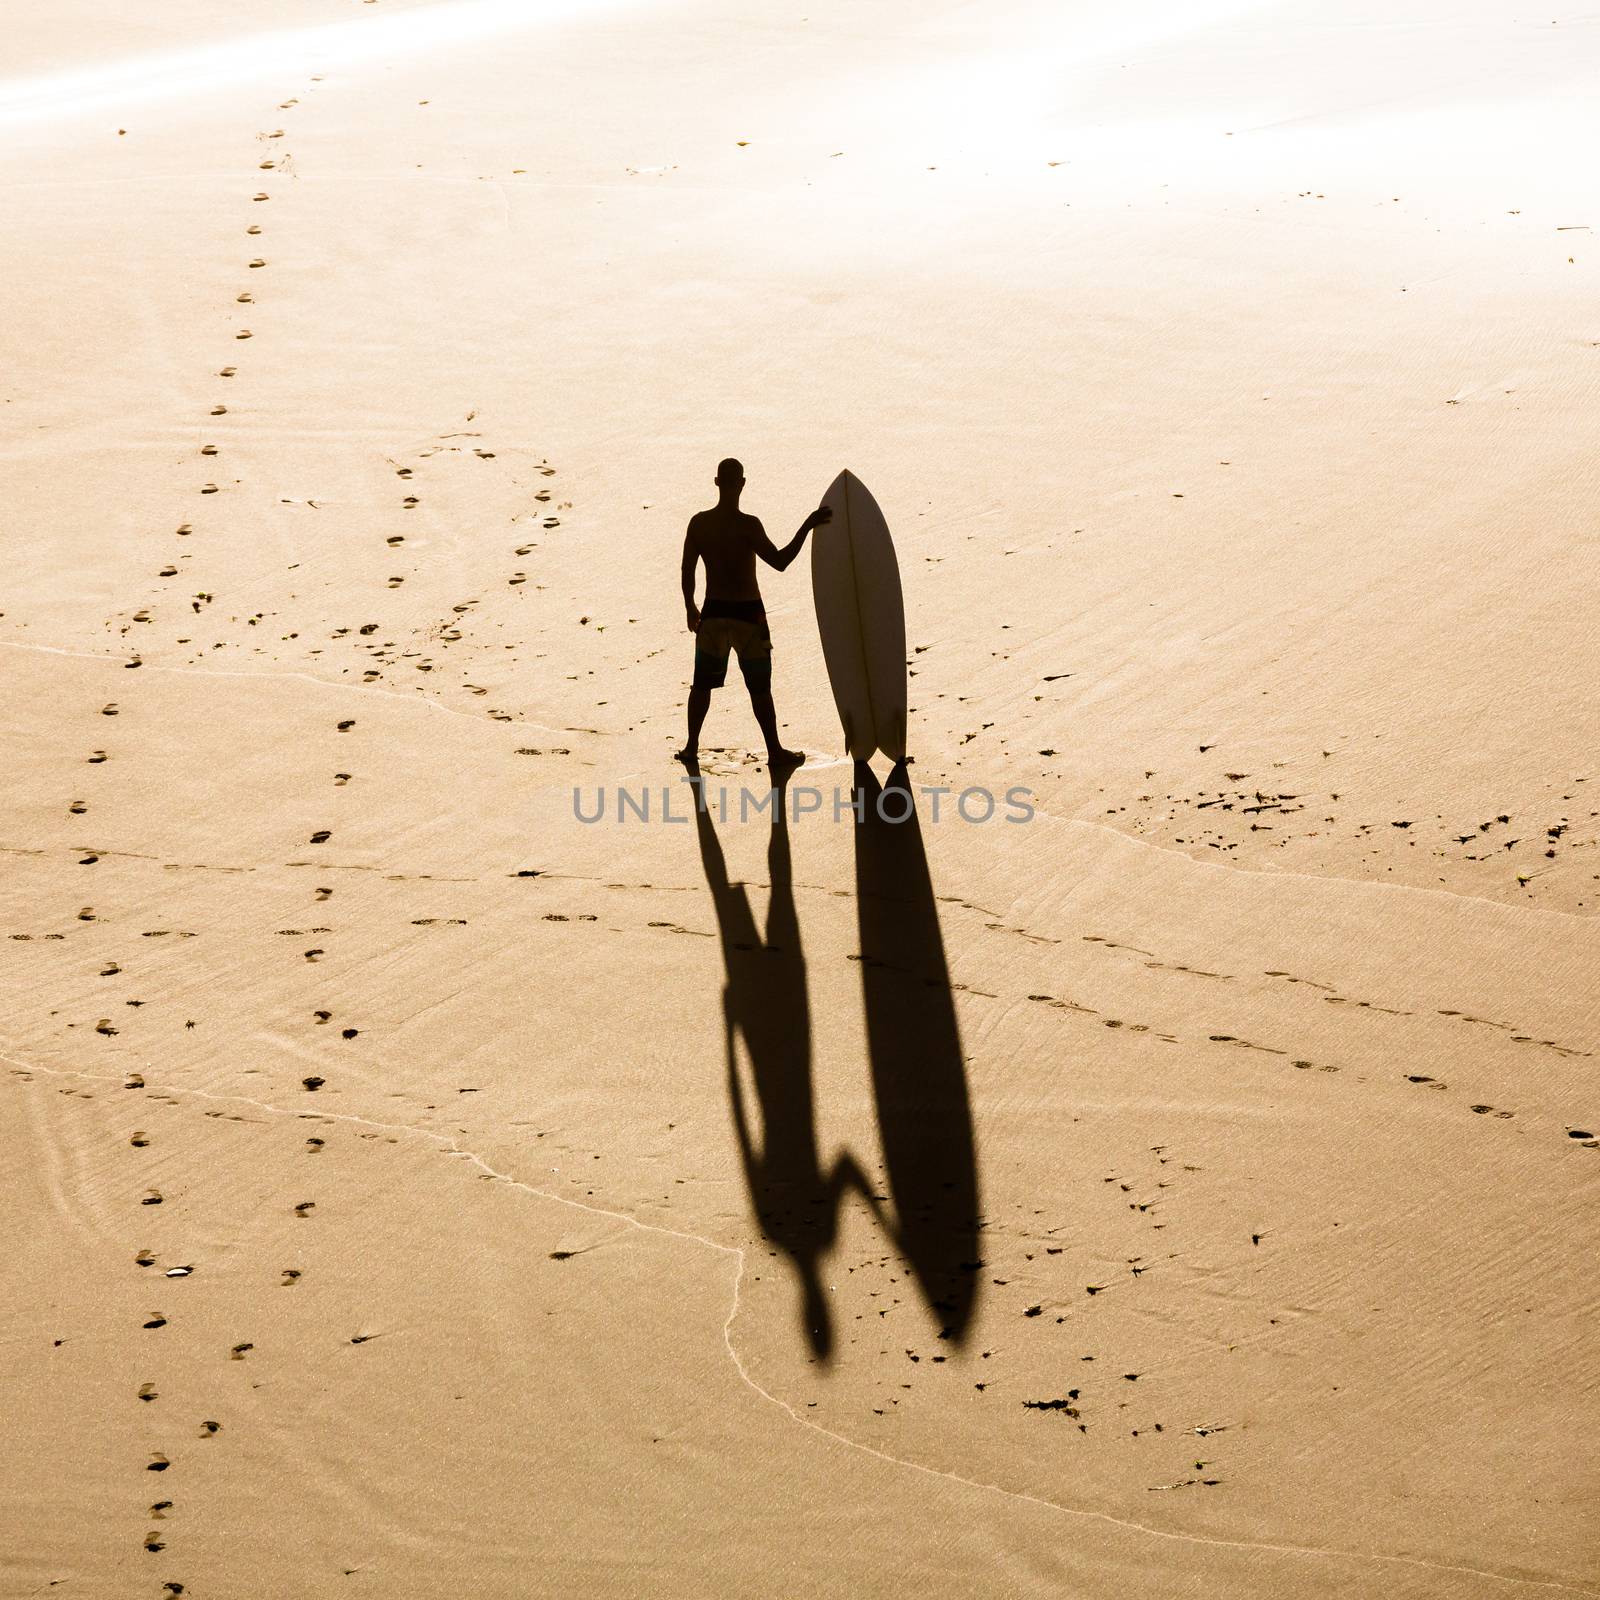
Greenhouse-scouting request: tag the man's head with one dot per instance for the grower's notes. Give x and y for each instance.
(730, 477)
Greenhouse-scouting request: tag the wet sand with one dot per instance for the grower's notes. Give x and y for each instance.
(1189, 1191)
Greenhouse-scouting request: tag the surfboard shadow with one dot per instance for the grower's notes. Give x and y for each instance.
(918, 1073)
(765, 1004)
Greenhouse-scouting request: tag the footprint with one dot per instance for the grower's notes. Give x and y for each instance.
(1063, 1005)
(1244, 1044)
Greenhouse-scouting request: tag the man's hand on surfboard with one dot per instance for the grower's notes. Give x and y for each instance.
(694, 619)
(821, 515)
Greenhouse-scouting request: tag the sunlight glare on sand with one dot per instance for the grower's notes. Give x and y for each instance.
(369, 39)
(1200, 99)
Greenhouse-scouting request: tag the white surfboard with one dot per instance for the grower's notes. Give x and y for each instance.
(855, 581)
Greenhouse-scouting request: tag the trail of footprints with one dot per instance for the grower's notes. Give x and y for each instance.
(386, 646)
(166, 1452)
(1577, 1134)
(176, 1451)
(406, 648)
(173, 1441)
(277, 160)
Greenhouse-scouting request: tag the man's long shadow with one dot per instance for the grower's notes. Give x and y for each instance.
(919, 1082)
(765, 1002)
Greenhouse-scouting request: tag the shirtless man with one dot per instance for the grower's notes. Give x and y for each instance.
(728, 540)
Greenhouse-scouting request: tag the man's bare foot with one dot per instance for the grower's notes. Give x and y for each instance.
(785, 760)
(687, 756)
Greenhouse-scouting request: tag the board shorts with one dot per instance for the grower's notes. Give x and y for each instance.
(739, 626)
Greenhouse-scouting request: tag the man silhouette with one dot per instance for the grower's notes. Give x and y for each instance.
(733, 618)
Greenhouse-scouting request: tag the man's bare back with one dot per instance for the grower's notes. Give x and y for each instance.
(728, 541)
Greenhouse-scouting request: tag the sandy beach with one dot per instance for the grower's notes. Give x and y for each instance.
(418, 1189)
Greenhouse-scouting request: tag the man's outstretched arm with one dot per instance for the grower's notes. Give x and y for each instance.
(772, 555)
(691, 557)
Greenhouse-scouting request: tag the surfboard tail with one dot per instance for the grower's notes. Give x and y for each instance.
(857, 739)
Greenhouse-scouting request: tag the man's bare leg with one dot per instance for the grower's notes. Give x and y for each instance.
(767, 717)
(699, 704)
